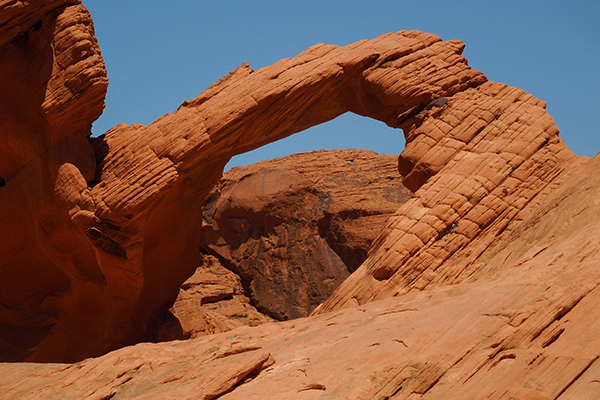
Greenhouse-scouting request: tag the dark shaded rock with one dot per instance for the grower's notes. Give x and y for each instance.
(294, 228)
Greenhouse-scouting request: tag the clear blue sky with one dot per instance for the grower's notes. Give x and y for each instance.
(160, 53)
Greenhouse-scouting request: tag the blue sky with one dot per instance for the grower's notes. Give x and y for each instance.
(159, 54)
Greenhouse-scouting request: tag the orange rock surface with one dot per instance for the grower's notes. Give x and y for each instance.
(528, 329)
(483, 285)
(52, 88)
(292, 229)
(110, 243)
(295, 228)
(210, 301)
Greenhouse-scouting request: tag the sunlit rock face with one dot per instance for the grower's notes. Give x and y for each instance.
(96, 238)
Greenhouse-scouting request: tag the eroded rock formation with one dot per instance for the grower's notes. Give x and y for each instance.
(212, 300)
(293, 228)
(105, 234)
(53, 83)
(296, 227)
(527, 328)
(96, 238)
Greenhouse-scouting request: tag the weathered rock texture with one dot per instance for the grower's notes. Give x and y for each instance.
(52, 88)
(95, 244)
(295, 228)
(210, 301)
(479, 162)
(527, 328)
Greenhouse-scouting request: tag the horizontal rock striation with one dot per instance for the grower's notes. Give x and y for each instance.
(96, 237)
(52, 88)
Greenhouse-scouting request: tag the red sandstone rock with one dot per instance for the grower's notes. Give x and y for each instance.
(211, 301)
(294, 228)
(95, 244)
(53, 85)
(527, 328)
(483, 285)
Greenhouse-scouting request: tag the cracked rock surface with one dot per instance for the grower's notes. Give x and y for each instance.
(295, 228)
(484, 284)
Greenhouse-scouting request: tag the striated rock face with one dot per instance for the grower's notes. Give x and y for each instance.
(294, 228)
(96, 238)
(527, 328)
(53, 83)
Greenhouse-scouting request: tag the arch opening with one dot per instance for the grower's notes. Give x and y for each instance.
(289, 222)
(293, 229)
(348, 131)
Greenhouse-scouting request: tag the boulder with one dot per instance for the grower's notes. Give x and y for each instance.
(210, 301)
(295, 228)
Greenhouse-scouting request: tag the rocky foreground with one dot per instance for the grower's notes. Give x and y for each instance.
(484, 284)
(281, 235)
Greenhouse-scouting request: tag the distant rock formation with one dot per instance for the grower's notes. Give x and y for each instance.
(96, 237)
(293, 229)
(296, 227)
(210, 301)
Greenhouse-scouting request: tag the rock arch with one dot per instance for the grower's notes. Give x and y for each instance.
(108, 230)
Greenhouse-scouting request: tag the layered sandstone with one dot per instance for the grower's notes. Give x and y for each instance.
(96, 239)
(527, 328)
(296, 227)
(292, 229)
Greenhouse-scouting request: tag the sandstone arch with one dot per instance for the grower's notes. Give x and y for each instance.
(106, 232)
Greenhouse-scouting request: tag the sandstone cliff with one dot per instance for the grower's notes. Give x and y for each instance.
(295, 228)
(106, 236)
(292, 229)
(482, 285)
